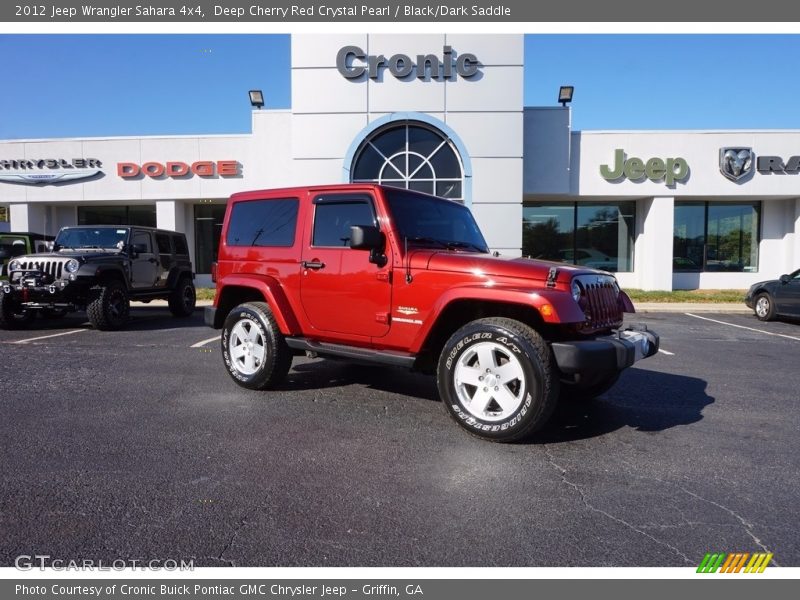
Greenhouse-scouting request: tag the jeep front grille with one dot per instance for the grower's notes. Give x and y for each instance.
(602, 308)
(52, 267)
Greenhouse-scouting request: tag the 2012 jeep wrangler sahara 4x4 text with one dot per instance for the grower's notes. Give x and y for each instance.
(391, 276)
(99, 269)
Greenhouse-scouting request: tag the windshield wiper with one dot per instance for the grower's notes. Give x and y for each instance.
(451, 245)
(427, 240)
(448, 244)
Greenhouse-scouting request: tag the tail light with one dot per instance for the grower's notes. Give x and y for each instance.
(214, 272)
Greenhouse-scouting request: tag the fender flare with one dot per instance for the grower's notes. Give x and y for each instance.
(273, 294)
(111, 269)
(175, 274)
(563, 309)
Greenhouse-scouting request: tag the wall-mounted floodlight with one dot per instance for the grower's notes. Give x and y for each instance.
(257, 98)
(565, 94)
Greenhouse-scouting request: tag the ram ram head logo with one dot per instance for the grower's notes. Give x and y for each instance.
(736, 163)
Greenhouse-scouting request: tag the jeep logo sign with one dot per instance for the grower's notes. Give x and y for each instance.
(352, 62)
(668, 170)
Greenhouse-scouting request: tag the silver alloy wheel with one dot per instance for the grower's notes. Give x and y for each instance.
(247, 347)
(489, 381)
(762, 306)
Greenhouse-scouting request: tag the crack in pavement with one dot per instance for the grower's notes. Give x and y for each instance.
(748, 527)
(235, 533)
(563, 472)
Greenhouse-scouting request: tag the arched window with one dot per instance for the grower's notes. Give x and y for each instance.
(411, 155)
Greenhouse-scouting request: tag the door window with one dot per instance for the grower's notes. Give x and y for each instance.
(143, 237)
(333, 219)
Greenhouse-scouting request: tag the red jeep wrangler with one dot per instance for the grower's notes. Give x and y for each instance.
(391, 276)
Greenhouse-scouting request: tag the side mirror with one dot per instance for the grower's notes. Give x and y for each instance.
(137, 249)
(367, 237)
(785, 279)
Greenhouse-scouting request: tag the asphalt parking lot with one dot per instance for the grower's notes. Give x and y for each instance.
(137, 445)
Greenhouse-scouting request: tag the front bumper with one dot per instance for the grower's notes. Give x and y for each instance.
(33, 293)
(210, 316)
(606, 355)
(749, 299)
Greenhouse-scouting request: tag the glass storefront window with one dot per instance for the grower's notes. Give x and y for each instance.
(144, 216)
(716, 236)
(592, 234)
(207, 230)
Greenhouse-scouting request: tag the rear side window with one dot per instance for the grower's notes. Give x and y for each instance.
(162, 241)
(180, 244)
(332, 221)
(263, 223)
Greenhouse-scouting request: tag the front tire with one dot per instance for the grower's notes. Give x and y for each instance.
(109, 308)
(183, 298)
(12, 315)
(497, 379)
(253, 347)
(764, 307)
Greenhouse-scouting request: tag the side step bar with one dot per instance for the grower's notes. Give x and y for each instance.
(395, 359)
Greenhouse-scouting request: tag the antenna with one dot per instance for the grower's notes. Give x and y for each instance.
(409, 279)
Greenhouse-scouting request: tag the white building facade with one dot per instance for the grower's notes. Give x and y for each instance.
(444, 114)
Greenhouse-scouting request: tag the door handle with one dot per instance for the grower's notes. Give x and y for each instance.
(313, 264)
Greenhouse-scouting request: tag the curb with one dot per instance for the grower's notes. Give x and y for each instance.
(692, 307)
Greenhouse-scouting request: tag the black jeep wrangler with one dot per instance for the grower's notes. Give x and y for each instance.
(99, 269)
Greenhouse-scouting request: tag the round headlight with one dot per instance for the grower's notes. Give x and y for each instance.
(14, 265)
(576, 291)
(72, 265)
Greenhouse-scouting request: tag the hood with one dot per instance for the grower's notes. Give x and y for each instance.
(495, 266)
(85, 255)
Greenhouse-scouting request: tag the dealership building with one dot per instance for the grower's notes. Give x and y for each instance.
(444, 114)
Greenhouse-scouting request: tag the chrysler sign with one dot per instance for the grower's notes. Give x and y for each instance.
(42, 171)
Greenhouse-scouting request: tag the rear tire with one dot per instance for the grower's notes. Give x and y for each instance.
(109, 307)
(253, 347)
(496, 377)
(12, 315)
(183, 298)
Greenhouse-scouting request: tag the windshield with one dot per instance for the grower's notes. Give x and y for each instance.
(430, 221)
(91, 237)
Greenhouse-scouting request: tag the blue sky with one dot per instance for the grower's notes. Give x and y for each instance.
(95, 85)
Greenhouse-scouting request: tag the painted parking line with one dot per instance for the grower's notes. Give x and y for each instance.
(667, 352)
(44, 337)
(789, 337)
(204, 342)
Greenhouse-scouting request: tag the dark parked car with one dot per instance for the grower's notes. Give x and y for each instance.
(779, 297)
